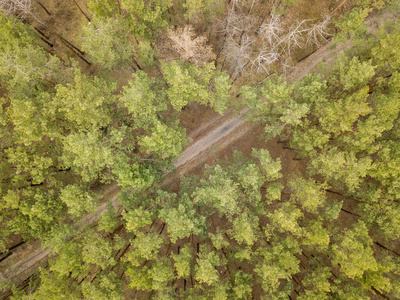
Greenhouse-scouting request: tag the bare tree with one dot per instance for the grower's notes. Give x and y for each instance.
(236, 24)
(253, 44)
(294, 38)
(19, 8)
(318, 32)
(191, 47)
(238, 55)
(271, 31)
(264, 59)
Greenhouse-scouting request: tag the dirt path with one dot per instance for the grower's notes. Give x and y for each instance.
(233, 124)
(211, 138)
(25, 260)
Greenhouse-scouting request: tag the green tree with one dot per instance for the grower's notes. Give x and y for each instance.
(244, 229)
(310, 194)
(183, 262)
(242, 286)
(386, 52)
(78, 200)
(85, 102)
(272, 104)
(106, 40)
(220, 191)
(205, 271)
(164, 140)
(182, 219)
(137, 219)
(144, 99)
(108, 220)
(188, 82)
(52, 286)
(277, 263)
(316, 283)
(353, 251)
(161, 274)
(145, 247)
(107, 8)
(107, 286)
(146, 18)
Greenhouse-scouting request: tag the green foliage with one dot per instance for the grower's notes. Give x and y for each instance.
(308, 193)
(277, 263)
(244, 229)
(182, 220)
(85, 102)
(188, 82)
(139, 278)
(346, 289)
(285, 218)
(345, 166)
(52, 286)
(62, 131)
(316, 283)
(143, 100)
(108, 220)
(271, 168)
(339, 116)
(183, 262)
(242, 286)
(219, 191)
(79, 201)
(137, 219)
(316, 234)
(105, 287)
(146, 18)
(106, 42)
(386, 52)
(166, 141)
(103, 8)
(97, 250)
(352, 23)
(161, 274)
(354, 253)
(218, 239)
(195, 10)
(69, 262)
(205, 271)
(23, 63)
(82, 152)
(146, 53)
(272, 104)
(353, 74)
(145, 247)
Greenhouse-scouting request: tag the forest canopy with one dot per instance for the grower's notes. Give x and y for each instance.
(100, 99)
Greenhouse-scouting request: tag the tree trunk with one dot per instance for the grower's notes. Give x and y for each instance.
(80, 9)
(44, 8)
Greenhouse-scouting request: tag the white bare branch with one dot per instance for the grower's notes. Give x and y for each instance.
(238, 55)
(18, 8)
(318, 32)
(271, 30)
(294, 38)
(264, 60)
